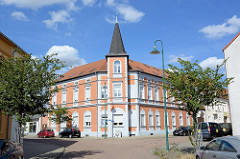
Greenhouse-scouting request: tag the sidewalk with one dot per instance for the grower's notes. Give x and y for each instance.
(36, 150)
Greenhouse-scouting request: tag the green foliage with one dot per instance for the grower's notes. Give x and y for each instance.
(60, 115)
(196, 87)
(25, 85)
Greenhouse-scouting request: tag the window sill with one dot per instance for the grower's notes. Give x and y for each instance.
(116, 75)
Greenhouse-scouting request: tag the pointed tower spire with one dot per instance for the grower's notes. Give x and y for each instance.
(116, 18)
(117, 47)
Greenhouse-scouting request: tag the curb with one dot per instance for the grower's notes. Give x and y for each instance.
(55, 154)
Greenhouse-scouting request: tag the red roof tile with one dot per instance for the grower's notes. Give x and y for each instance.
(101, 65)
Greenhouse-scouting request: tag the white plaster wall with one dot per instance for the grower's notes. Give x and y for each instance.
(232, 53)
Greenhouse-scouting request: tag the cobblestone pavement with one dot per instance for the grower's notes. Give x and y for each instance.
(116, 148)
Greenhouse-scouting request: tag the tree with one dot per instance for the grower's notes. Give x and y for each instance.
(196, 87)
(25, 85)
(60, 116)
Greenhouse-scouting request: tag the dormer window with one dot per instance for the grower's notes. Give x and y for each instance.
(117, 67)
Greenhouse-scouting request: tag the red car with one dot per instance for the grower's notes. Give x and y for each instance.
(46, 133)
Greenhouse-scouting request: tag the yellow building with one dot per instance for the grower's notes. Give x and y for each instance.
(8, 49)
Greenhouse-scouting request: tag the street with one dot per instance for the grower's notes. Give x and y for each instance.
(91, 148)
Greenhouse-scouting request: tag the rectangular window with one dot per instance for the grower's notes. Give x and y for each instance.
(149, 93)
(87, 93)
(141, 92)
(87, 119)
(103, 95)
(64, 96)
(156, 94)
(104, 120)
(75, 95)
(117, 90)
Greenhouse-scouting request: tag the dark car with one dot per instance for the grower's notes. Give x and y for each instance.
(210, 130)
(70, 132)
(227, 147)
(10, 150)
(182, 131)
(46, 133)
(227, 128)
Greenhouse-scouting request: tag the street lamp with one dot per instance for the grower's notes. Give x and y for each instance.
(105, 94)
(155, 51)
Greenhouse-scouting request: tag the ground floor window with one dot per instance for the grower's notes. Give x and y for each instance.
(32, 127)
(104, 120)
(118, 119)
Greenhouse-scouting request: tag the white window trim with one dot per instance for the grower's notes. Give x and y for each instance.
(114, 84)
(87, 114)
(120, 67)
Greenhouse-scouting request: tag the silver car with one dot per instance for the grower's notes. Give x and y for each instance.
(220, 148)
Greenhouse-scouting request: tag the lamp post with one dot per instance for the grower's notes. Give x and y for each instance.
(155, 51)
(105, 124)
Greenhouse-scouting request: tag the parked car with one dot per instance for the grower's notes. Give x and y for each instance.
(10, 150)
(182, 131)
(223, 148)
(46, 133)
(70, 132)
(210, 130)
(227, 128)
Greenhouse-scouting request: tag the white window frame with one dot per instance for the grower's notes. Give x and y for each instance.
(150, 95)
(157, 119)
(141, 92)
(142, 119)
(174, 124)
(64, 95)
(150, 117)
(87, 93)
(156, 94)
(117, 66)
(87, 119)
(103, 120)
(117, 87)
(103, 95)
(75, 95)
(180, 119)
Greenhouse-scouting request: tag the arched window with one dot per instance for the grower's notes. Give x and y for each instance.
(117, 67)
(180, 119)
(150, 117)
(142, 118)
(157, 119)
(173, 120)
(75, 120)
(87, 119)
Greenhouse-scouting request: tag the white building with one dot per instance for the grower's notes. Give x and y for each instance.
(232, 53)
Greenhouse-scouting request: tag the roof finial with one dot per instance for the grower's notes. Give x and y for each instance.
(116, 18)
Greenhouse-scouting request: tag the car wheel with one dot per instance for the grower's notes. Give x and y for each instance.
(79, 136)
(184, 133)
(70, 136)
(60, 135)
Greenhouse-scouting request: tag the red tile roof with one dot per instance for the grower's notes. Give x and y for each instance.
(231, 41)
(101, 65)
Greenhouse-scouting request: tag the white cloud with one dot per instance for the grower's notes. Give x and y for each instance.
(174, 58)
(89, 2)
(33, 4)
(61, 16)
(19, 16)
(128, 13)
(68, 54)
(231, 26)
(211, 62)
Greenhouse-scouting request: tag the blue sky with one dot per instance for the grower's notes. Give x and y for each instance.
(81, 30)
